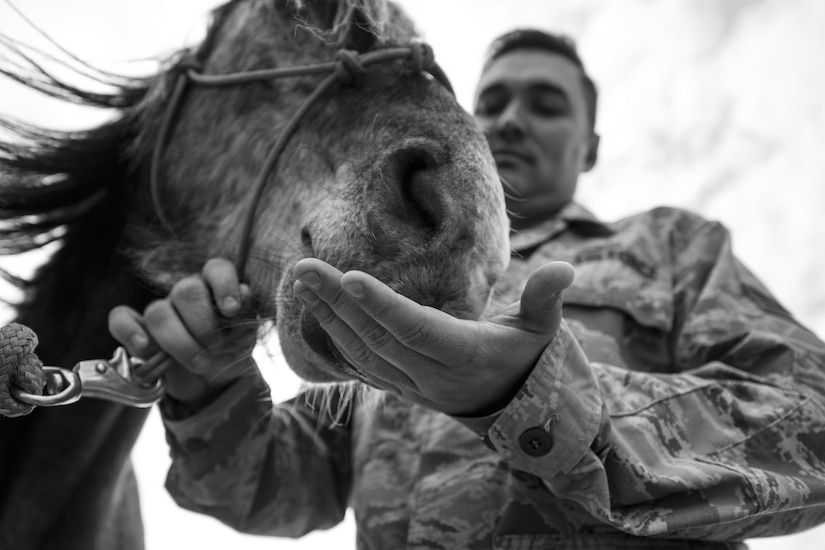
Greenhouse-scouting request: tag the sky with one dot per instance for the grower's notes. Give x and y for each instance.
(705, 105)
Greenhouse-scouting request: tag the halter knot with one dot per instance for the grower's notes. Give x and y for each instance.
(422, 57)
(188, 63)
(348, 67)
(19, 366)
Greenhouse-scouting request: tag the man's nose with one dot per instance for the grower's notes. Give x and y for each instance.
(510, 124)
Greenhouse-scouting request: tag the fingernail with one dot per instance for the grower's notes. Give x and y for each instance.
(355, 289)
(230, 305)
(138, 342)
(309, 298)
(311, 279)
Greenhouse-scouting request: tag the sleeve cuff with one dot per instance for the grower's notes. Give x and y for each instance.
(479, 424)
(556, 415)
(221, 425)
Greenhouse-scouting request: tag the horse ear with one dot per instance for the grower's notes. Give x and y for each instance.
(361, 34)
(333, 15)
(323, 13)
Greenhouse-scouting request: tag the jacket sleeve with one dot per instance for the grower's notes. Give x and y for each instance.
(260, 468)
(729, 445)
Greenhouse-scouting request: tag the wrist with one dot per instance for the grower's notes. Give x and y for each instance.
(192, 403)
(188, 393)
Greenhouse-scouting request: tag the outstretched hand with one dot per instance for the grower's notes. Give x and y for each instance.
(191, 336)
(456, 366)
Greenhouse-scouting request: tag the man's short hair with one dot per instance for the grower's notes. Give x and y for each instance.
(559, 44)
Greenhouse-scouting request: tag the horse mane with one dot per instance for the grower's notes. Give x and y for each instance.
(53, 183)
(385, 20)
(45, 174)
(67, 187)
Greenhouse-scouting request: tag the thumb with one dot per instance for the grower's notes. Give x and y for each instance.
(542, 297)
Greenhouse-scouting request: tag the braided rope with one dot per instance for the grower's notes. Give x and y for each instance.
(20, 367)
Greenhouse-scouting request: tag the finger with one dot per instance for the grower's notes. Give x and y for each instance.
(325, 282)
(434, 343)
(370, 378)
(421, 328)
(126, 326)
(314, 273)
(168, 330)
(319, 281)
(192, 300)
(221, 278)
(541, 300)
(352, 346)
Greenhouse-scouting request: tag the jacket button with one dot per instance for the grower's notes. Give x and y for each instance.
(195, 445)
(535, 442)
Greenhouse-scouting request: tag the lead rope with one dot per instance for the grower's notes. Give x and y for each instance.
(347, 68)
(19, 367)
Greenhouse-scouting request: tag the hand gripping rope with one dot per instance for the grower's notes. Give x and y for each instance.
(26, 383)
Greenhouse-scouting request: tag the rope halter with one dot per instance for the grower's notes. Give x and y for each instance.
(348, 68)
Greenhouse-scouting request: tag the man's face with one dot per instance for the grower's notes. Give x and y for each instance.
(532, 108)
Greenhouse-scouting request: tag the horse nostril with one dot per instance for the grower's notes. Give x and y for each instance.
(306, 243)
(413, 173)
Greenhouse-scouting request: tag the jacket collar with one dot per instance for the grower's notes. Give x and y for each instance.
(573, 216)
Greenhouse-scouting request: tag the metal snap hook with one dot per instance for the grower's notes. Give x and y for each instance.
(110, 380)
(63, 388)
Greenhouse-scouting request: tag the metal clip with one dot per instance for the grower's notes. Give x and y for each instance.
(110, 380)
(62, 388)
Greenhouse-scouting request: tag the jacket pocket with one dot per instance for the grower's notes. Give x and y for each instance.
(620, 281)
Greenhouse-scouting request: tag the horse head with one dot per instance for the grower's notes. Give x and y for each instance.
(382, 172)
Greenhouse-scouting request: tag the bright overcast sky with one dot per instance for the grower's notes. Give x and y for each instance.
(707, 104)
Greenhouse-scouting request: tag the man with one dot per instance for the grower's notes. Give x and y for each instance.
(675, 400)
(538, 110)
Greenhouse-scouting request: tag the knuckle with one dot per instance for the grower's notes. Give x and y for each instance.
(189, 289)
(119, 313)
(338, 300)
(121, 319)
(220, 273)
(324, 315)
(157, 312)
(415, 335)
(382, 311)
(216, 265)
(360, 354)
(376, 336)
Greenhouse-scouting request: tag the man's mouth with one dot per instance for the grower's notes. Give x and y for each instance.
(511, 157)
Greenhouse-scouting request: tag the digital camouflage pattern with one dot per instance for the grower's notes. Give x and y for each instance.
(679, 407)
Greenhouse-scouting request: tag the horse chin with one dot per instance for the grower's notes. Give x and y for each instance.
(317, 340)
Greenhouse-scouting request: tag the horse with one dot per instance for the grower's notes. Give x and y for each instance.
(381, 171)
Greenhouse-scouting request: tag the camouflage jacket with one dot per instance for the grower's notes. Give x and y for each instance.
(680, 406)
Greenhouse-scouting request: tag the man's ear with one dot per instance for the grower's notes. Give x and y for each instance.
(592, 152)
